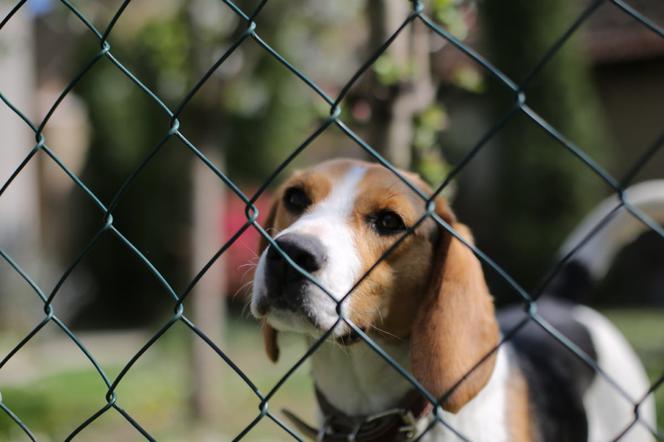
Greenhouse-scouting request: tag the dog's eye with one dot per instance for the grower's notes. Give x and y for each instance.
(296, 200)
(388, 223)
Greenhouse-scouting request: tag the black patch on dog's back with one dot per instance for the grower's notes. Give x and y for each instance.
(557, 379)
(573, 282)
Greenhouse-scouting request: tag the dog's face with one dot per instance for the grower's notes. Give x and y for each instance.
(335, 221)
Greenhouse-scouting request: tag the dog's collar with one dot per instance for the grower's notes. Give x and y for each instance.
(395, 425)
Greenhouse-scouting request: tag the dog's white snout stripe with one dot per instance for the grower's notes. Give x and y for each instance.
(329, 221)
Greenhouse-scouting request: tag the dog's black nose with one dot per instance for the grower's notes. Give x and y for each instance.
(305, 250)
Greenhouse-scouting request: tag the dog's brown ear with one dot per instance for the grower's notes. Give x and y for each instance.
(455, 327)
(269, 333)
(270, 341)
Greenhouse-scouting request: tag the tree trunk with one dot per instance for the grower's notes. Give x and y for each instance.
(396, 105)
(208, 300)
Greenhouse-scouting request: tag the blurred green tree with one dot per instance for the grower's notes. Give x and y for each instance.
(169, 46)
(542, 190)
(170, 51)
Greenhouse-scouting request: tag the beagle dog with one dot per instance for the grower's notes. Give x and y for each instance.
(427, 305)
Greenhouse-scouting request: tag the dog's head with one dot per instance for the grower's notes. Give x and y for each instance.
(335, 221)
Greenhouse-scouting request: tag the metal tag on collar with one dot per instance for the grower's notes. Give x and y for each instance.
(352, 436)
(410, 427)
(322, 431)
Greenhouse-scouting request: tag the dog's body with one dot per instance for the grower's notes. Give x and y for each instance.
(427, 305)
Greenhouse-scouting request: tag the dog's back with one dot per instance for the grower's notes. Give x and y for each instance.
(572, 401)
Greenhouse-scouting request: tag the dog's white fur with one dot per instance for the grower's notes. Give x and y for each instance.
(329, 223)
(608, 411)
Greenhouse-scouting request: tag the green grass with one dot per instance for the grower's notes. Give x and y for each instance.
(644, 329)
(157, 390)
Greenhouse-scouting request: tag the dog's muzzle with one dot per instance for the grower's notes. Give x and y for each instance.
(286, 286)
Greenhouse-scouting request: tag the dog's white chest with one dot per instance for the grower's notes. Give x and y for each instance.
(484, 418)
(359, 381)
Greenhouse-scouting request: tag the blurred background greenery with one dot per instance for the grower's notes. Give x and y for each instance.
(423, 104)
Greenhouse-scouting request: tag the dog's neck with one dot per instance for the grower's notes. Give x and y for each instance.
(358, 381)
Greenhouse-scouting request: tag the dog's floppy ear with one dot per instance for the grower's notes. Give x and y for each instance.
(269, 333)
(455, 327)
(270, 341)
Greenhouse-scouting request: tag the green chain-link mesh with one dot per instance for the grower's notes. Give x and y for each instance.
(334, 119)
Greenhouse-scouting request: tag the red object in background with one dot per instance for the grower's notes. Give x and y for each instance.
(241, 258)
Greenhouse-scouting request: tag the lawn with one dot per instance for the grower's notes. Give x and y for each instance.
(157, 389)
(645, 331)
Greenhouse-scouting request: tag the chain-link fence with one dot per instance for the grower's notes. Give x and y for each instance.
(253, 32)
